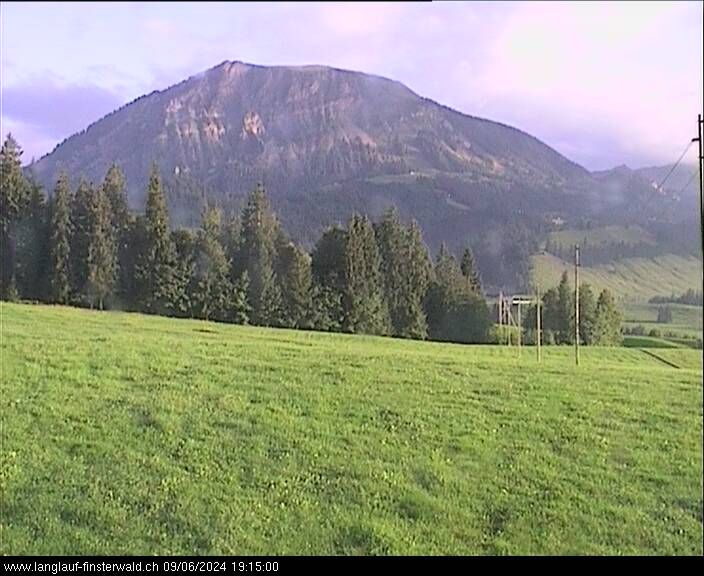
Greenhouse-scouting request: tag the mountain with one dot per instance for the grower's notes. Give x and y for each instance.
(681, 180)
(327, 142)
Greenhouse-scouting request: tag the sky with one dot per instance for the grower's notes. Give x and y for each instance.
(604, 83)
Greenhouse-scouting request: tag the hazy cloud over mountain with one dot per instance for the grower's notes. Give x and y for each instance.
(604, 83)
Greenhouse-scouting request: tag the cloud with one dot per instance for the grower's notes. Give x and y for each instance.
(615, 79)
(603, 83)
(43, 111)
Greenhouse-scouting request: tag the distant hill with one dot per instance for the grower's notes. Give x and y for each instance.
(630, 279)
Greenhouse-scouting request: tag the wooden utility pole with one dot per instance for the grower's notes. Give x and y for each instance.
(576, 304)
(519, 329)
(701, 178)
(501, 317)
(537, 321)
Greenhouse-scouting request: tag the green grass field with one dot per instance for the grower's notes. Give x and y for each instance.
(127, 434)
(686, 320)
(630, 279)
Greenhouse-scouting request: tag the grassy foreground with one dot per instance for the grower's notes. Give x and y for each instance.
(127, 434)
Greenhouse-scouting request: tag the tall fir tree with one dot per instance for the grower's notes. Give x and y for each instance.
(123, 224)
(365, 308)
(455, 312)
(80, 240)
(607, 321)
(159, 287)
(587, 314)
(14, 195)
(405, 272)
(297, 285)
(469, 270)
(256, 255)
(213, 290)
(102, 250)
(239, 309)
(185, 243)
(565, 318)
(33, 245)
(60, 244)
(328, 259)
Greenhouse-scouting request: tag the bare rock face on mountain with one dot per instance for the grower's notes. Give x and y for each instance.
(328, 142)
(238, 123)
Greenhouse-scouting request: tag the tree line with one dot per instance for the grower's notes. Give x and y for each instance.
(599, 318)
(87, 248)
(690, 297)
(593, 254)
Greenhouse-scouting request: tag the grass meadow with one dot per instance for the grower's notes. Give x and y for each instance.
(129, 434)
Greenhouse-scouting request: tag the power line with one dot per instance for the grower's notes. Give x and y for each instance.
(669, 210)
(695, 173)
(658, 188)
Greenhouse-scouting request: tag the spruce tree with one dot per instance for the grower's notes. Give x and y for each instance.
(565, 318)
(102, 250)
(239, 308)
(442, 291)
(365, 309)
(326, 313)
(186, 247)
(80, 240)
(607, 321)
(418, 271)
(123, 222)
(470, 271)
(587, 314)
(156, 271)
(256, 255)
(14, 194)
(405, 272)
(551, 315)
(297, 285)
(212, 285)
(32, 246)
(60, 245)
(455, 312)
(328, 259)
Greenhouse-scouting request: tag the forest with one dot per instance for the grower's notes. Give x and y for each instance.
(86, 248)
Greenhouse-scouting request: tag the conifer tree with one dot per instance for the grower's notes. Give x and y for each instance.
(123, 223)
(102, 250)
(405, 271)
(326, 313)
(470, 271)
(60, 244)
(565, 318)
(365, 309)
(587, 314)
(442, 291)
(14, 194)
(239, 309)
(328, 259)
(297, 285)
(607, 321)
(156, 271)
(212, 285)
(418, 272)
(80, 240)
(551, 315)
(32, 234)
(256, 255)
(455, 312)
(185, 243)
